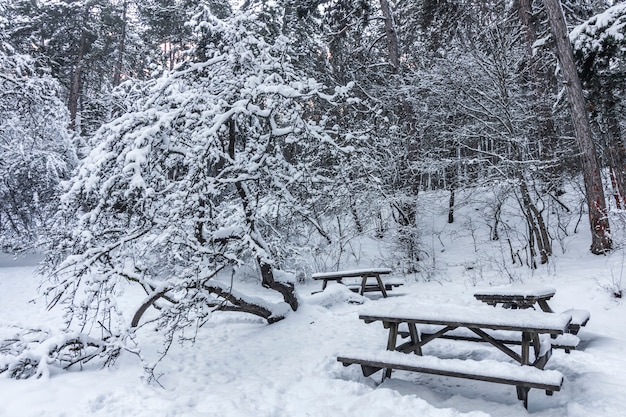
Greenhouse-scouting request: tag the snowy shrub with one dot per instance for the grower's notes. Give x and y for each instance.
(187, 186)
(336, 295)
(26, 353)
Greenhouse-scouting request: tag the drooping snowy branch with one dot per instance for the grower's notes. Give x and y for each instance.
(183, 189)
(26, 353)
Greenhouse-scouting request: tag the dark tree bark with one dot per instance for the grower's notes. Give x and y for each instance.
(598, 220)
(539, 79)
(76, 82)
(451, 206)
(538, 231)
(391, 34)
(287, 290)
(616, 151)
(119, 64)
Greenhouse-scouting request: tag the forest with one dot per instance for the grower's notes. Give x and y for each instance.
(173, 146)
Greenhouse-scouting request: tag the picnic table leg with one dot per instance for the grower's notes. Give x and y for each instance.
(526, 341)
(381, 285)
(363, 284)
(415, 338)
(391, 344)
(544, 306)
(522, 394)
(536, 342)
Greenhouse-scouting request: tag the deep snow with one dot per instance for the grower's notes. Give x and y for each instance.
(240, 366)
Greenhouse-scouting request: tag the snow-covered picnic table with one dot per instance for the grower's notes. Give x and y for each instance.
(517, 296)
(533, 329)
(364, 275)
(525, 296)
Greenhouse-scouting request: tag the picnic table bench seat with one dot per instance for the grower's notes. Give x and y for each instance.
(390, 284)
(523, 377)
(580, 318)
(567, 342)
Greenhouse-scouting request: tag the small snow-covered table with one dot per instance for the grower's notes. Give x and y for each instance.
(516, 296)
(533, 328)
(364, 274)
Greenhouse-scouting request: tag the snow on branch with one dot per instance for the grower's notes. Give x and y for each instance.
(602, 30)
(26, 353)
(185, 187)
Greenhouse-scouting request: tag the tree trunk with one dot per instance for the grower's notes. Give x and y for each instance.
(117, 76)
(451, 206)
(539, 81)
(598, 220)
(538, 230)
(392, 35)
(616, 151)
(76, 83)
(287, 290)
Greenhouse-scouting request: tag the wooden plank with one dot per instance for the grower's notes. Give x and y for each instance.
(532, 378)
(501, 346)
(325, 279)
(579, 318)
(372, 287)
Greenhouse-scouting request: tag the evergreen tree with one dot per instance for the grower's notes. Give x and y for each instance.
(600, 51)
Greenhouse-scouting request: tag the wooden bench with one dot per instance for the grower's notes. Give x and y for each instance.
(523, 377)
(389, 284)
(579, 319)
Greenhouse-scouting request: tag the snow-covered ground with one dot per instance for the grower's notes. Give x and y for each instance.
(240, 366)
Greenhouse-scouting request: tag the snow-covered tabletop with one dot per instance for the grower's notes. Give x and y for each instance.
(351, 273)
(517, 296)
(525, 291)
(479, 316)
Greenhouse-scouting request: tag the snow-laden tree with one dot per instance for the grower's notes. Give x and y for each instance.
(36, 152)
(186, 186)
(600, 51)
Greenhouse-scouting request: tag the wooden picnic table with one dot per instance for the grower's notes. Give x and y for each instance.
(363, 274)
(517, 296)
(533, 328)
(523, 297)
